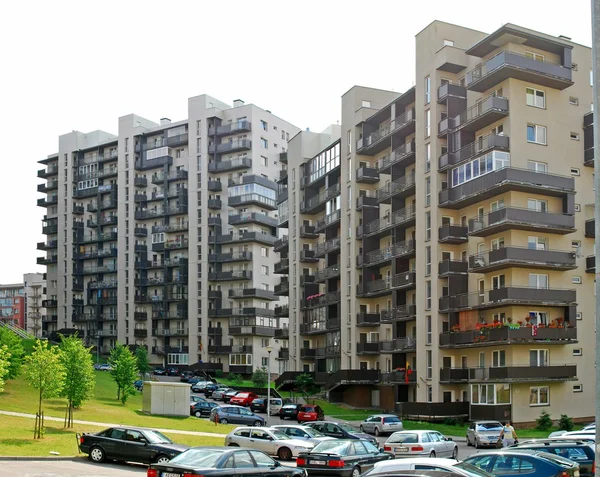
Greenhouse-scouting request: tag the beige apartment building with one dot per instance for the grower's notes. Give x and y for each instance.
(438, 250)
(162, 235)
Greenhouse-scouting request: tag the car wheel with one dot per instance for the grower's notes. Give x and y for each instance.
(284, 453)
(355, 472)
(468, 442)
(377, 432)
(362, 429)
(432, 454)
(477, 445)
(223, 421)
(97, 454)
(257, 423)
(455, 453)
(198, 414)
(161, 459)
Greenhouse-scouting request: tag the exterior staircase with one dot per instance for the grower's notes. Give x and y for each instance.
(20, 332)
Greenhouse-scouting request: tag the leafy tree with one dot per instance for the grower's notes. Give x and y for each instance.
(141, 354)
(544, 422)
(15, 348)
(236, 378)
(124, 371)
(4, 364)
(80, 379)
(305, 383)
(260, 377)
(45, 372)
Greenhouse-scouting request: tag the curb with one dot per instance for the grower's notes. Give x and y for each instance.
(38, 458)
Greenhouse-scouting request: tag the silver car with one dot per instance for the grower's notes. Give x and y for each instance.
(381, 424)
(304, 433)
(484, 433)
(420, 444)
(271, 441)
(217, 394)
(425, 464)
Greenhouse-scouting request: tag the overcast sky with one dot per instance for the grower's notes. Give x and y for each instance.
(80, 65)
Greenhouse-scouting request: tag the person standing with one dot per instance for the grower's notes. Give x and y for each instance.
(508, 435)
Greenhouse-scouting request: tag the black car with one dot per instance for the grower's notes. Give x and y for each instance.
(289, 411)
(159, 371)
(581, 452)
(210, 387)
(131, 444)
(202, 408)
(258, 405)
(341, 430)
(510, 461)
(342, 457)
(223, 461)
(172, 372)
(185, 376)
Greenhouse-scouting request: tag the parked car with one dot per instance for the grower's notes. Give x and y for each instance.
(303, 432)
(381, 424)
(243, 399)
(195, 380)
(217, 394)
(590, 434)
(223, 462)
(138, 384)
(200, 387)
(420, 444)
(310, 412)
(185, 376)
(341, 430)
(509, 461)
(202, 408)
(132, 444)
(229, 394)
(271, 441)
(172, 372)
(195, 398)
(210, 387)
(236, 415)
(260, 405)
(341, 457)
(581, 452)
(289, 411)
(426, 465)
(103, 367)
(159, 371)
(483, 433)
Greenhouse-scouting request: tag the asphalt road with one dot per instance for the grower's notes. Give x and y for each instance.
(65, 468)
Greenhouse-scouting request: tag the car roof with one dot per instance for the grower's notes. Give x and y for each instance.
(487, 422)
(418, 460)
(509, 450)
(132, 428)
(233, 405)
(556, 441)
(417, 431)
(383, 415)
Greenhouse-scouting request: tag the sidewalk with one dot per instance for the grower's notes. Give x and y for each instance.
(106, 424)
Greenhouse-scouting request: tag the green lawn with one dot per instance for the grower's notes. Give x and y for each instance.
(18, 396)
(16, 438)
(244, 383)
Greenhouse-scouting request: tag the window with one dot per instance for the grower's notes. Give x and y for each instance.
(264, 252)
(498, 359)
(428, 295)
(577, 388)
(538, 317)
(429, 364)
(448, 42)
(427, 157)
(573, 101)
(427, 226)
(429, 330)
(538, 280)
(428, 123)
(497, 205)
(264, 269)
(536, 134)
(534, 56)
(497, 243)
(490, 394)
(263, 125)
(427, 261)
(577, 352)
(539, 396)
(427, 89)
(539, 357)
(349, 197)
(576, 280)
(366, 104)
(427, 191)
(535, 98)
(264, 143)
(264, 161)
(498, 281)
(535, 166)
(483, 165)
(536, 243)
(349, 140)
(538, 205)
(574, 136)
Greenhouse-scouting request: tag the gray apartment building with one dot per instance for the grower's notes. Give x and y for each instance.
(162, 235)
(438, 247)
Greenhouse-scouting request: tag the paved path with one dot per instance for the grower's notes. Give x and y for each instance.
(106, 424)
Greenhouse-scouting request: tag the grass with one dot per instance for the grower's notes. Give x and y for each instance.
(16, 438)
(18, 396)
(244, 383)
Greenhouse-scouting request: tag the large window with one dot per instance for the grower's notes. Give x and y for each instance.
(240, 359)
(536, 134)
(539, 357)
(177, 359)
(324, 162)
(485, 164)
(490, 394)
(427, 89)
(535, 98)
(539, 396)
(428, 123)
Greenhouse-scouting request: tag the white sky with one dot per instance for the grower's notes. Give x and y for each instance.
(79, 65)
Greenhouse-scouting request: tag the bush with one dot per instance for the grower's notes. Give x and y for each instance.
(450, 421)
(543, 423)
(565, 423)
(219, 373)
(236, 378)
(260, 378)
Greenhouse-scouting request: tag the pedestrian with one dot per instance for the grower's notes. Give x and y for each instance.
(508, 435)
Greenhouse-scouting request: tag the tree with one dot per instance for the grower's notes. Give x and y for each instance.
(15, 348)
(124, 371)
(45, 372)
(260, 378)
(305, 383)
(4, 365)
(80, 378)
(141, 354)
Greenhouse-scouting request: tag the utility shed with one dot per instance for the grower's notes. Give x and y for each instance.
(167, 399)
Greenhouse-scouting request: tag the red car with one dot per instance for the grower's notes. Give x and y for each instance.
(309, 412)
(243, 399)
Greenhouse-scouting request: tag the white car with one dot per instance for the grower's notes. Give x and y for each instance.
(217, 394)
(420, 444)
(304, 433)
(454, 467)
(588, 434)
(381, 424)
(271, 441)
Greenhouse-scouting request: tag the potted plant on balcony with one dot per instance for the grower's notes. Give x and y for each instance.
(528, 319)
(560, 322)
(455, 328)
(552, 324)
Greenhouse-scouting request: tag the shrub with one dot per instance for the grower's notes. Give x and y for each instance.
(219, 373)
(451, 421)
(260, 378)
(543, 423)
(236, 378)
(565, 423)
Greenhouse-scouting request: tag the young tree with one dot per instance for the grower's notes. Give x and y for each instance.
(80, 379)
(44, 371)
(259, 378)
(141, 354)
(305, 383)
(15, 348)
(4, 365)
(124, 371)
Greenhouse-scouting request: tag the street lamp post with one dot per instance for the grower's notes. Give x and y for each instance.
(269, 349)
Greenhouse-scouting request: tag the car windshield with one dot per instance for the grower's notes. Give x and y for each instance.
(331, 447)
(280, 435)
(206, 458)
(289, 406)
(557, 459)
(258, 401)
(313, 432)
(489, 426)
(388, 420)
(472, 470)
(346, 427)
(407, 437)
(156, 437)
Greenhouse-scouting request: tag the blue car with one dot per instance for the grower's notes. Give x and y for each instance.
(230, 414)
(511, 461)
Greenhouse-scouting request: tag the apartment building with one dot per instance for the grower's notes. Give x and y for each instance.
(21, 304)
(162, 235)
(454, 231)
(34, 287)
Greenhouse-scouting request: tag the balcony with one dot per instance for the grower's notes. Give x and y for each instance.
(511, 256)
(403, 155)
(231, 146)
(252, 331)
(282, 289)
(523, 373)
(140, 316)
(504, 180)
(49, 171)
(47, 245)
(474, 149)
(235, 127)
(308, 231)
(50, 229)
(325, 274)
(281, 244)
(590, 228)
(506, 335)
(258, 237)
(282, 267)
(453, 234)
(252, 199)
(507, 64)
(230, 165)
(590, 264)
(328, 220)
(367, 175)
(508, 296)
(50, 185)
(230, 276)
(480, 115)
(308, 256)
(252, 218)
(521, 219)
(368, 319)
(317, 203)
(319, 327)
(176, 175)
(252, 293)
(384, 286)
(404, 249)
(448, 90)
(367, 348)
(140, 182)
(399, 313)
(322, 299)
(377, 141)
(48, 201)
(308, 353)
(282, 312)
(401, 187)
(403, 217)
(452, 267)
(367, 199)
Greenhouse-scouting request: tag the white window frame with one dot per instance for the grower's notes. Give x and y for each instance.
(539, 131)
(499, 358)
(536, 390)
(541, 205)
(537, 277)
(538, 242)
(427, 157)
(497, 243)
(427, 191)
(536, 166)
(534, 99)
(428, 123)
(427, 89)
(535, 56)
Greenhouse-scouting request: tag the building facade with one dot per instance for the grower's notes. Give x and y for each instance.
(446, 248)
(12, 304)
(162, 235)
(34, 287)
